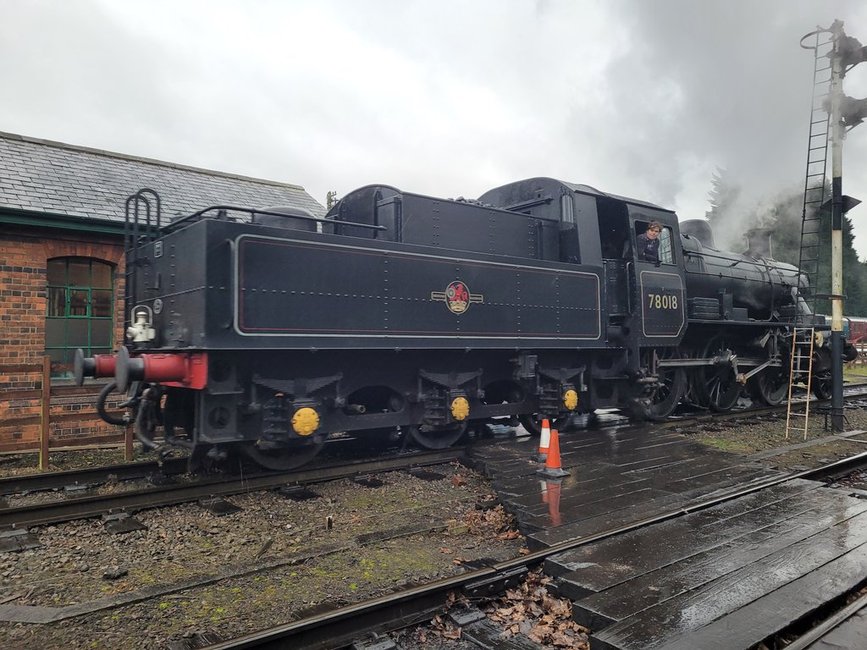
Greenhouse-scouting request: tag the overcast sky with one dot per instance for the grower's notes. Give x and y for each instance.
(644, 98)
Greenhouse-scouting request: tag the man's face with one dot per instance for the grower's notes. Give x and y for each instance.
(653, 233)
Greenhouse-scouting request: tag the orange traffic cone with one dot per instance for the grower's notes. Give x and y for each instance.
(553, 468)
(544, 442)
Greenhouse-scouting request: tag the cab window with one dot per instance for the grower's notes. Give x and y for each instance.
(653, 242)
(666, 252)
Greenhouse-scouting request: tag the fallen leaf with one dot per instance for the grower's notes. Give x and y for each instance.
(509, 534)
(557, 607)
(562, 640)
(539, 633)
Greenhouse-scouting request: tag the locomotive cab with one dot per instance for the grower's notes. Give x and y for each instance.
(645, 282)
(643, 301)
(660, 287)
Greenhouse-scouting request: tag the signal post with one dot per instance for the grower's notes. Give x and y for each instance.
(836, 232)
(845, 114)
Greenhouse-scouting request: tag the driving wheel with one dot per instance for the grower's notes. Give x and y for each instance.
(716, 386)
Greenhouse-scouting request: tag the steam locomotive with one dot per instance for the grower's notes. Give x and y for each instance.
(267, 330)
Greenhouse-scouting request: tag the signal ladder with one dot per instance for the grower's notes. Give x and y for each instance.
(800, 370)
(810, 255)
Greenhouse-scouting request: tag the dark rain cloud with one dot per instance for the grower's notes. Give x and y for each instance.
(449, 98)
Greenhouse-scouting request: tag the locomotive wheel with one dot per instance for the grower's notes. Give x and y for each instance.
(692, 397)
(671, 390)
(439, 437)
(667, 396)
(533, 423)
(716, 386)
(771, 386)
(822, 387)
(285, 458)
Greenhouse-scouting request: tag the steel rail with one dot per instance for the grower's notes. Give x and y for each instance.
(130, 471)
(89, 476)
(826, 626)
(692, 418)
(341, 626)
(161, 496)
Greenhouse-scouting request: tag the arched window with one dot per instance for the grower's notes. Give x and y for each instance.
(80, 309)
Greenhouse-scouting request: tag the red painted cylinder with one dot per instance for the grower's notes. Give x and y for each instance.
(104, 365)
(99, 365)
(182, 369)
(164, 367)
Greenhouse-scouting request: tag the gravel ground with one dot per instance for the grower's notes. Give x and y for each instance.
(764, 437)
(193, 577)
(265, 564)
(857, 481)
(27, 463)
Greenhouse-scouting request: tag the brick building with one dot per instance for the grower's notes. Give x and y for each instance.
(62, 268)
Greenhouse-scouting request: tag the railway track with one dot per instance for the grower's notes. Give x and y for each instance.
(209, 488)
(93, 476)
(80, 507)
(341, 626)
(851, 393)
(846, 628)
(330, 629)
(88, 477)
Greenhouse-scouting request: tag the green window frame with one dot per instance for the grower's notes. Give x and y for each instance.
(80, 310)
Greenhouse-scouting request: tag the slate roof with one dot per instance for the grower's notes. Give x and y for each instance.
(63, 179)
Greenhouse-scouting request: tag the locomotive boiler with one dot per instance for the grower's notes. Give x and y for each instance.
(268, 330)
(767, 289)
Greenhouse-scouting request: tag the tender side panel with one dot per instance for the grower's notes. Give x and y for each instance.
(300, 288)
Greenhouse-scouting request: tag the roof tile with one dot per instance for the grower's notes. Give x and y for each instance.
(61, 178)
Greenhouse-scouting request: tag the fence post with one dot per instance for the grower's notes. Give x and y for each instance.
(127, 442)
(45, 414)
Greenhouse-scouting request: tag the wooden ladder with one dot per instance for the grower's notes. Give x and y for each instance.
(801, 364)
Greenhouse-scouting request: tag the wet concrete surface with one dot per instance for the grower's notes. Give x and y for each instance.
(727, 576)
